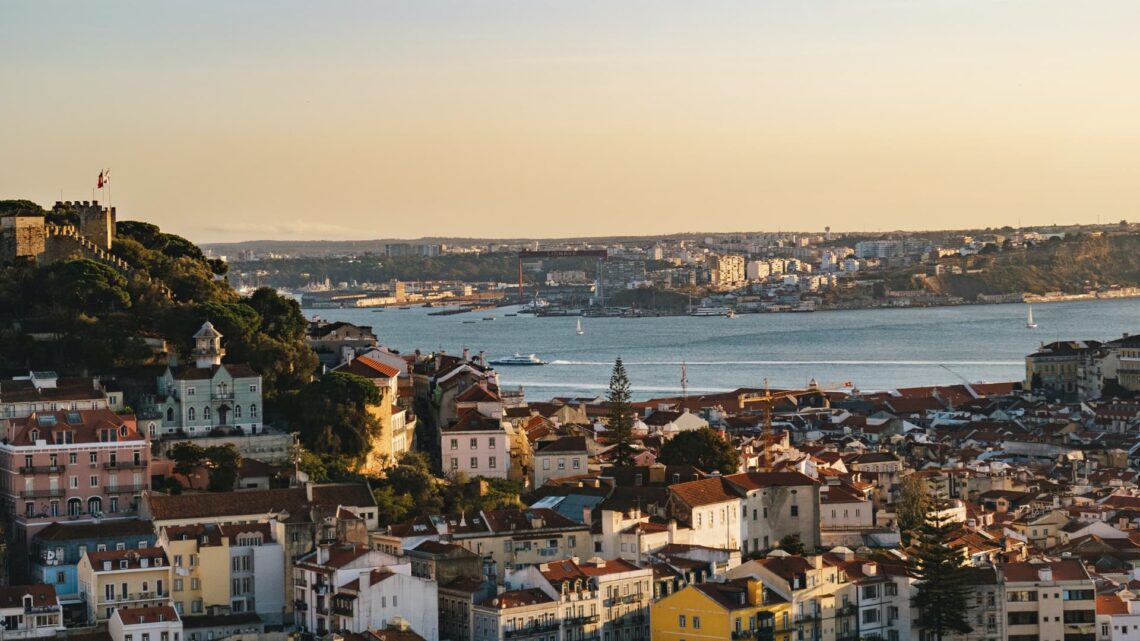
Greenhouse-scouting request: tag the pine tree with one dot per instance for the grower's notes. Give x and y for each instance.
(621, 414)
(941, 574)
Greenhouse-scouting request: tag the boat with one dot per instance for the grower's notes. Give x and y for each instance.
(488, 318)
(510, 315)
(468, 322)
(519, 359)
(730, 314)
(579, 330)
(710, 311)
(1029, 322)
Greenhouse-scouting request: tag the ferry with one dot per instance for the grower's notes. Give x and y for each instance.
(711, 311)
(519, 359)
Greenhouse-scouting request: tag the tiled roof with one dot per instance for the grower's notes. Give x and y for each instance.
(517, 598)
(716, 489)
(147, 614)
(1067, 570)
(369, 368)
(155, 557)
(758, 480)
(12, 596)
(60, 531)
(85, 426)
(236, 370)
(564, 445)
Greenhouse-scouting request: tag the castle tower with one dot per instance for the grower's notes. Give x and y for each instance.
(208, 349)
(97, 224)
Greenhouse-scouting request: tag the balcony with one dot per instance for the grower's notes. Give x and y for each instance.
(301, 582)
(42, 494)
(538, 628)
(343, 610)
(125, 465)
(221, 396)
(582, 620)
(41, 469)
(845, 610)
(124, 489)
(321, 609)
(300, 606)
(40, 609)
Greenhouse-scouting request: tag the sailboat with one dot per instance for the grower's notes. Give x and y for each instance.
(579, 330)
(1029, 322)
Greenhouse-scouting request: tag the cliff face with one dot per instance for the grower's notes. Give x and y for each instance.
(1068, 267)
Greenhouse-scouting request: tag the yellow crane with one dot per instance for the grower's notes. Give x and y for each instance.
(767, 400)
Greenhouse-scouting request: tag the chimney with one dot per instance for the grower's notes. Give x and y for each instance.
(466, 354)
(755, 590)
(1045, 574)
(483, 358)
(870, 569)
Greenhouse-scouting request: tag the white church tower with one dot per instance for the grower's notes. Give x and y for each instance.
(208, 350)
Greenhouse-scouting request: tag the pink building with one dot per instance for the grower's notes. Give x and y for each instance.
(71, 466)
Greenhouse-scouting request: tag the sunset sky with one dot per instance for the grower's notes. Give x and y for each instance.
(254, 120)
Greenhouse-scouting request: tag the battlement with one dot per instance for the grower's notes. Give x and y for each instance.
(96, 223)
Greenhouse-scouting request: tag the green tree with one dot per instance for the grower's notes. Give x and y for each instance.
(792, 544)
(620, 419)
(911, 504)
(223, 462)
(941, 580)
(332, 414)
(187, 457)
(704, 449)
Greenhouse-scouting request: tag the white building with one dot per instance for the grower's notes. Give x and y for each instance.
(476, 445)
(154, 623)
(775, 505)
(30, 612)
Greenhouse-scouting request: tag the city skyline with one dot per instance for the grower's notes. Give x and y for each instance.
(222, 122)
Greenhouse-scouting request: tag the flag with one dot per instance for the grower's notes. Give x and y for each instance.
(99, 183)
(106, 176)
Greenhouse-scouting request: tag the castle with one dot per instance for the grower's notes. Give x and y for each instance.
(28, 235)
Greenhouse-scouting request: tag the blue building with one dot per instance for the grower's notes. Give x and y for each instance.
(56, 550)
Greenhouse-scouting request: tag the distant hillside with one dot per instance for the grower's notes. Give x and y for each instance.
(1070, 266)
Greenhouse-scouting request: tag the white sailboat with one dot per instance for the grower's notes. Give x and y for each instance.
(579, 330)
(1029, 322)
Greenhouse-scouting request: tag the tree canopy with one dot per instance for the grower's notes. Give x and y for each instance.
(331, 414)
(704, 449)
(941, 580)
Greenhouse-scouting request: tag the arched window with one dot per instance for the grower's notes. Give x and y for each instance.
(74, 507)
(170, 415)
(206, 413)
(253, 410)
(94, 505)
(190, 414)
(237, 411)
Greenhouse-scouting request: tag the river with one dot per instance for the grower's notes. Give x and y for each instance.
(871, 349)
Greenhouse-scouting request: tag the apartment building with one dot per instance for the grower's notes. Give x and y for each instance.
(519, 615)
(123, 578)
(711, 508)
(566, 456)
(734, 609)
(30, 612)
(811, 585)
(152, 623)
(774, 505)
(74, 465)
(1052, 600)
(49, 392)
(476, 445)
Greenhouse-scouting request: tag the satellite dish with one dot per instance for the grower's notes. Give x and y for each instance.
(49, 555)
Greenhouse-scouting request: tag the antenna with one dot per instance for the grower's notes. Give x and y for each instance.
(684, 382)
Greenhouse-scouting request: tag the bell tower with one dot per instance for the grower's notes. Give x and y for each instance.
(208, 349)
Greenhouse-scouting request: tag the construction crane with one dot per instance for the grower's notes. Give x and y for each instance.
(767, 400)
(600, 254)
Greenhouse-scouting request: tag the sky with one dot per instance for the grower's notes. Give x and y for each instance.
(231, 120)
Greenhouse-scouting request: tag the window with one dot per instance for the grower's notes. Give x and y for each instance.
(491, 442)
(237, 411)
(474, 462)
(491, 462)
(1078, 595)
(577, 464)
(73, 458)
(681, 621)
(561, 464)
(190, 415)
(1022, 618)
(871, 616)
(474, 443)
(454, 443)
(253, 388)
(177, 585)
(94, 481)
(253, 410)
(94, 457)
(454, 464)
(74, 482)
(696, 623)
(189, 391)
(890, 589)
(870, 591)
(546, 464)
(795, 510)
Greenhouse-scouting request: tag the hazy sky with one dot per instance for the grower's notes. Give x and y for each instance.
(242, 120)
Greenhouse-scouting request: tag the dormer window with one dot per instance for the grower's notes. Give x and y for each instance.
(123, 564)
(106, 565)
(34, 435)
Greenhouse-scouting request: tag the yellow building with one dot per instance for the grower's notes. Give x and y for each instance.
(123, 578)
(200, 559)
(737, 609)
(397, 426)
